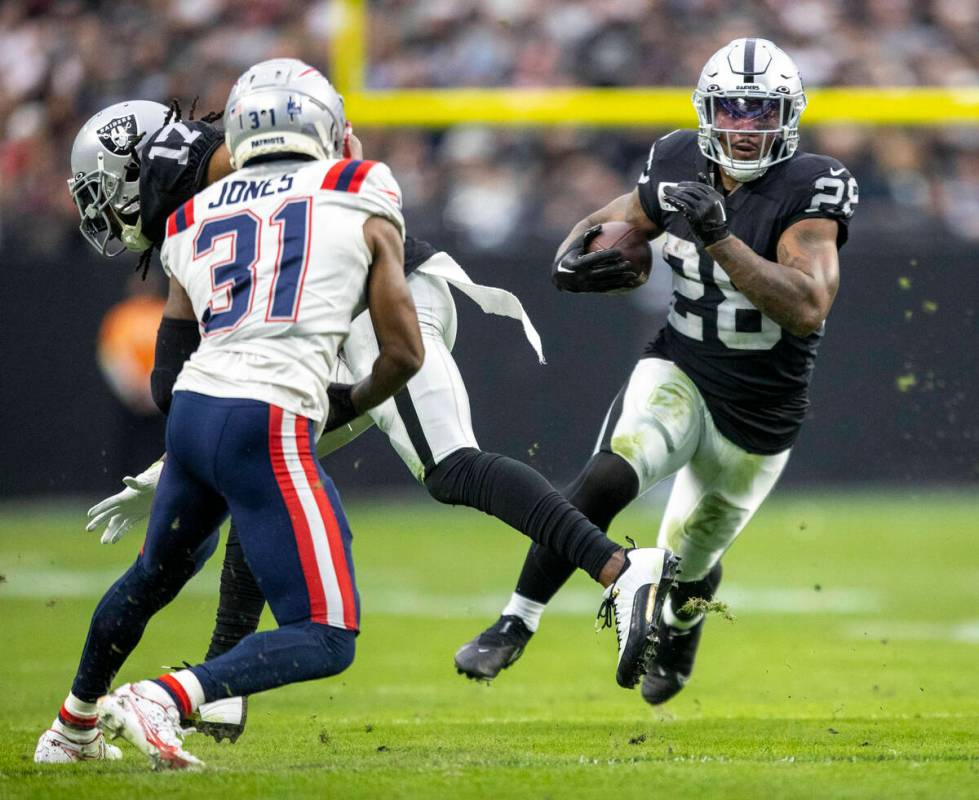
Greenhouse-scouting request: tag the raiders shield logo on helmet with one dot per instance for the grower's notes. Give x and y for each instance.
(118, 134)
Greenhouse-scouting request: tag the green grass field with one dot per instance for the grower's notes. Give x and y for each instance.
(850, 670)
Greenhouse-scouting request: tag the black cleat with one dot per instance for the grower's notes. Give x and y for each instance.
(494, 649)
(671, 668)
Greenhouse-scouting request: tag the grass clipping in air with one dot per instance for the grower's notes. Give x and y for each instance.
(700, 605)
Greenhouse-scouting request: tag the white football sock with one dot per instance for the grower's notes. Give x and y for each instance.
(528, 610)
(671, 619)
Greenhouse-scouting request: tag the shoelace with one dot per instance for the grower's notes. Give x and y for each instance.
(606, 611)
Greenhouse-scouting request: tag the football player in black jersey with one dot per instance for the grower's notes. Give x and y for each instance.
(751, 227)
(428, 423)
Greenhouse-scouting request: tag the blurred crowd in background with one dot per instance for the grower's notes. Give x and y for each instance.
(891, 393)
(61, 60)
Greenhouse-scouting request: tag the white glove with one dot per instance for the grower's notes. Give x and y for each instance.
(125, 509)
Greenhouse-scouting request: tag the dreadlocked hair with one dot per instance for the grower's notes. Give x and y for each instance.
(174, 114)
(143, 265)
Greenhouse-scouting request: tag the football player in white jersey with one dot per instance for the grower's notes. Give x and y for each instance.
(641, 578)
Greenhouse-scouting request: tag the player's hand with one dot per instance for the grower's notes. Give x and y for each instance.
(703, 207)
(123, 510)
(576, 270)
(342, 408)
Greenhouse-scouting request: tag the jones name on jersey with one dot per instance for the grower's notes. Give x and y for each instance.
(274, 261)
(753, 374)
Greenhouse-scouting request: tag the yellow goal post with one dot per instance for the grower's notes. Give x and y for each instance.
(606, 107)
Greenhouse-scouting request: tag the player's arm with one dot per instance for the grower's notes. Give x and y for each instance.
(176, 340)
(797, 290)
(393, 316)
(576, 270)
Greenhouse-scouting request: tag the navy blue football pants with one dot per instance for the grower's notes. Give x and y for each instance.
(255, 461)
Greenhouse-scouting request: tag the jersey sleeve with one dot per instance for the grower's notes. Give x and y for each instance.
(174, 169)
(652, 176)
(822, 188)
(368, 186)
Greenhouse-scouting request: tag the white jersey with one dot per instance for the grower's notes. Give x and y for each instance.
(274, 261)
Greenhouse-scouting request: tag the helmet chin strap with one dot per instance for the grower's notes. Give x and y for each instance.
(743, 175)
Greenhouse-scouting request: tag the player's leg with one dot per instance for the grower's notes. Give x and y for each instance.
(185, 514)
(429, 425)
(713, 499)
(651, 430)
(240, 604)
(297, 543)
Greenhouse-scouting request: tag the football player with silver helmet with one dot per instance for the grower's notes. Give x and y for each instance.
(751, 227)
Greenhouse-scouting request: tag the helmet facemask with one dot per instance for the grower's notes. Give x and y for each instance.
(108, 205)
(745, 132)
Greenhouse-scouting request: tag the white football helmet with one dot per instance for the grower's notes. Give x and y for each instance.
(104, 180)
(749, 100)
(283, 106)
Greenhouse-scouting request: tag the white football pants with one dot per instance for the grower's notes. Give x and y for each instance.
(430, 418)
(661, 425)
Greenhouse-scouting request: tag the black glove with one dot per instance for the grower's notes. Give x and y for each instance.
(602, 271)
(342, 408)
(703, 206)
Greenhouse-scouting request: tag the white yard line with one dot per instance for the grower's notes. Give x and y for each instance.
(407, 600)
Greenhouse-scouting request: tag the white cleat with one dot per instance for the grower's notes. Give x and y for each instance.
(222, 719)
(145, 716)
(636, 601)
(62, 745)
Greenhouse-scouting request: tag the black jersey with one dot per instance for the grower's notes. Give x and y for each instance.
(174, 169)
(754, 375)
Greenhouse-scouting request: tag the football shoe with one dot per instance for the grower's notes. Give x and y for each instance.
(144, 715)
(634, 605)
(222, 719)
(670, 670)
(494, 649)
(60, 744)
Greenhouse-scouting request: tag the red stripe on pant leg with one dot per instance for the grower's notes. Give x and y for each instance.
(334, 538)
(300, 527)
(183, 700)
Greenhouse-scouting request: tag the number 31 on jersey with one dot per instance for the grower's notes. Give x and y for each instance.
(233, 280)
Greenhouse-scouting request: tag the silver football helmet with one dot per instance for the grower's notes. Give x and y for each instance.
(104, 180)
(283, 106)
(749, 100)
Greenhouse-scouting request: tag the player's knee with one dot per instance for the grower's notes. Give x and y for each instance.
(705, 534)
(447, 480)
(606, 485)
(336, 648)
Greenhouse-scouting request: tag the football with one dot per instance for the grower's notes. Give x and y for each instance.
(628, 240)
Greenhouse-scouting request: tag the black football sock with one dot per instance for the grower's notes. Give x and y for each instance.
(521, 497)
(240, 602)
(604, 487)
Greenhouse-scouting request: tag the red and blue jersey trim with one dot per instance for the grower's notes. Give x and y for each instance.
(347, 175)
(181, 219)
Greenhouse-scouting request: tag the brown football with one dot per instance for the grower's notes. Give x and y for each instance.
(629, 241)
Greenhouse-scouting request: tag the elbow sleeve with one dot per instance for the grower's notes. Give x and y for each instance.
(176, 340)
